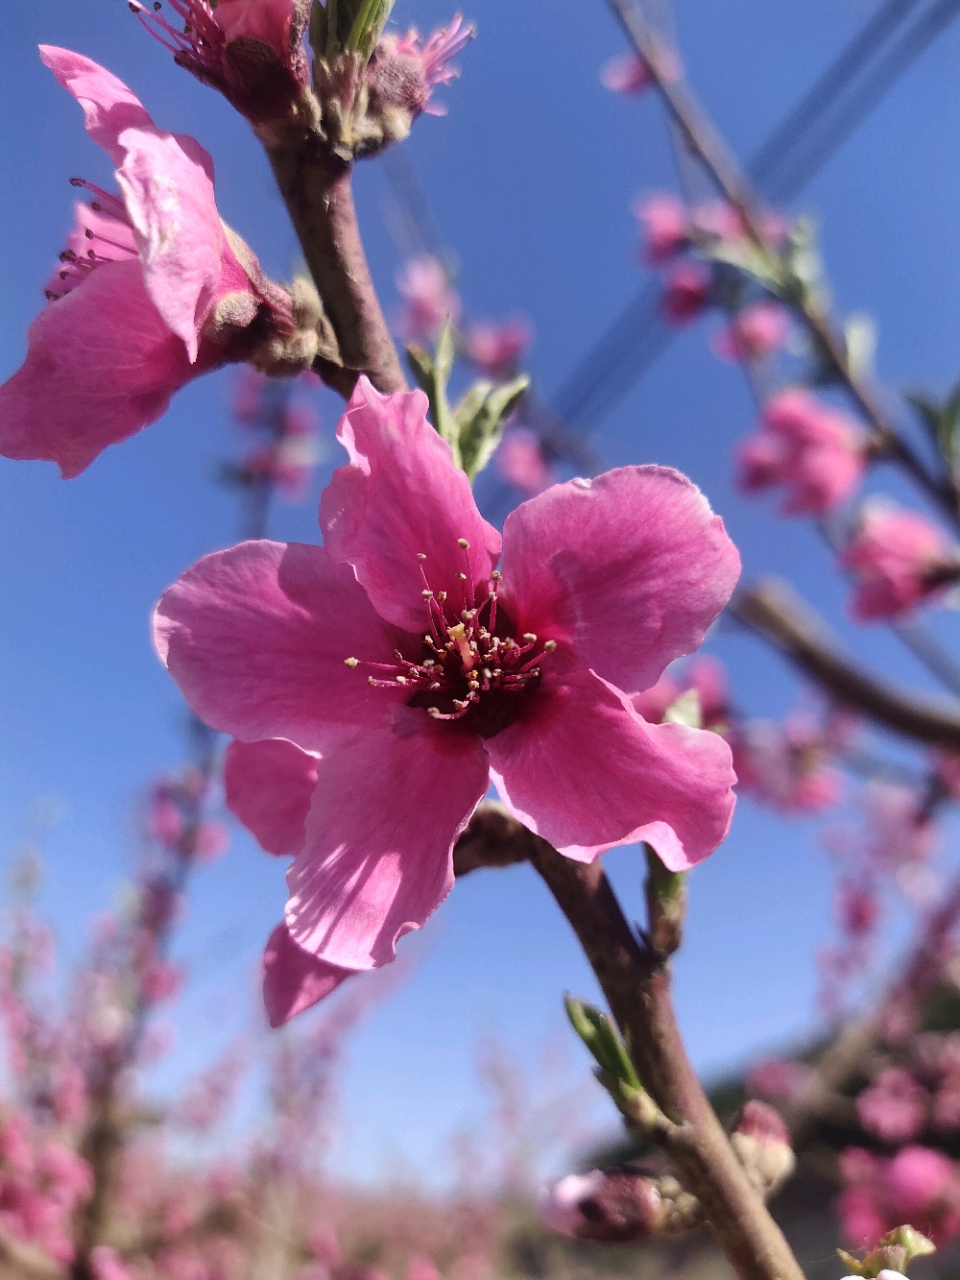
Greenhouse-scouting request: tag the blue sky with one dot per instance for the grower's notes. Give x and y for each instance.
(530, 178)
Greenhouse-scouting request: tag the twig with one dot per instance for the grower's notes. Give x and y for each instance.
(317, 190)
(707, 144)
(773, 609)
(637, 987)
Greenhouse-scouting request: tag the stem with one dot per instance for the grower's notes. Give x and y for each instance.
(317, 190)
(637, 987)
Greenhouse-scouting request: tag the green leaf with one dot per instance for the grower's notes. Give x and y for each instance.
(481, 415)
(686, 710)
(432, 373)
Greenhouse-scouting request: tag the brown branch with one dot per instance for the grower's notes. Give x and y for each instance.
(316, 187)
(637, 988)
(774, 611)
(493, 839)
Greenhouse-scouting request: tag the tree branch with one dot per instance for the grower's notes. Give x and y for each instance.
(774, 611)
(637, 987)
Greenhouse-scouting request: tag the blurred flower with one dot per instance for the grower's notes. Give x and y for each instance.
(894, 1107)
(495, 349)
(429, 299)
(686, 293)
(899, 559)
(755, 331)
(814, 453)
(665, 221)
(520, 461)
(630, 74)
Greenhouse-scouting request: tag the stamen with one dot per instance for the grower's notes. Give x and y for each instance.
(463, 544)
(351, 662)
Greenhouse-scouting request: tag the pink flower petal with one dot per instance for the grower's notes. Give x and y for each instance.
(108, 105)
(401, 497)
(388, 807)
(625, 572)
(257, 637)
(101, 363)
(293, 980)
(169, 197)
(269, 786)
(584, 771)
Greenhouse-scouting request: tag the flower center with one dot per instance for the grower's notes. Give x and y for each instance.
(102, 246)
(470, 668)
(198, 45)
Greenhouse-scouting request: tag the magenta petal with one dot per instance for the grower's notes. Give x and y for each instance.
(169, 197)
(400, 496)
(269, 786)
(257, 637)
(100, 365)
(293, 980)
(108, 105)
(388, 807)
(584, 771)
(626, 571)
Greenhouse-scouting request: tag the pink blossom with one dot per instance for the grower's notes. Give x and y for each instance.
(404, 71)
(106, 1264)
(495, 349)
(520, 460)
(755, 331)
(918, 1185)
(686, 293)
(814, 453)
(915, 1178)
(630, 74)
(894, 1108)
(722, 221)
(665, 221)
(898, 833)
(420, 1267)
(250, 50)
(526, 680)
(777, 1079)
(152, 291)
(428, 297)
(295, 979)
(899, 559)
(857, 909)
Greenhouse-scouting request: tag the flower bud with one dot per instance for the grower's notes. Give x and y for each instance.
(761, 1142)
(623, 1206)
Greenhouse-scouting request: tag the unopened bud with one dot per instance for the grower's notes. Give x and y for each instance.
(761, 1142)
(620, 1207)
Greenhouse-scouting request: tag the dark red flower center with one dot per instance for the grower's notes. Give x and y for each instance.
(471, 667)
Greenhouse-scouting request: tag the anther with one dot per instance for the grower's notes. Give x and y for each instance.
(371, 680)
(77, 182)
(549, 646)
(421, 557)
(427, 593)
(462, 577)
(400, 679)
(462, 542)
(530, 637)
(398, 655)
(496, 576)
(435, 712)
(441, 596)
(351, 662)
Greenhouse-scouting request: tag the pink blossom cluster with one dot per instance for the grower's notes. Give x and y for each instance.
(918, 1185)
(42, 1184)
(789, 765)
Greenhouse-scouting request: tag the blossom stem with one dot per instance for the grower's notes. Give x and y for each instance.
(318, 193)
(636, 984)
(777, 614)
(706, 143)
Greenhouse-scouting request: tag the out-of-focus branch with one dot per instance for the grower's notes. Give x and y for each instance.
(774, 611)
(316, 187)
(707, 144)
